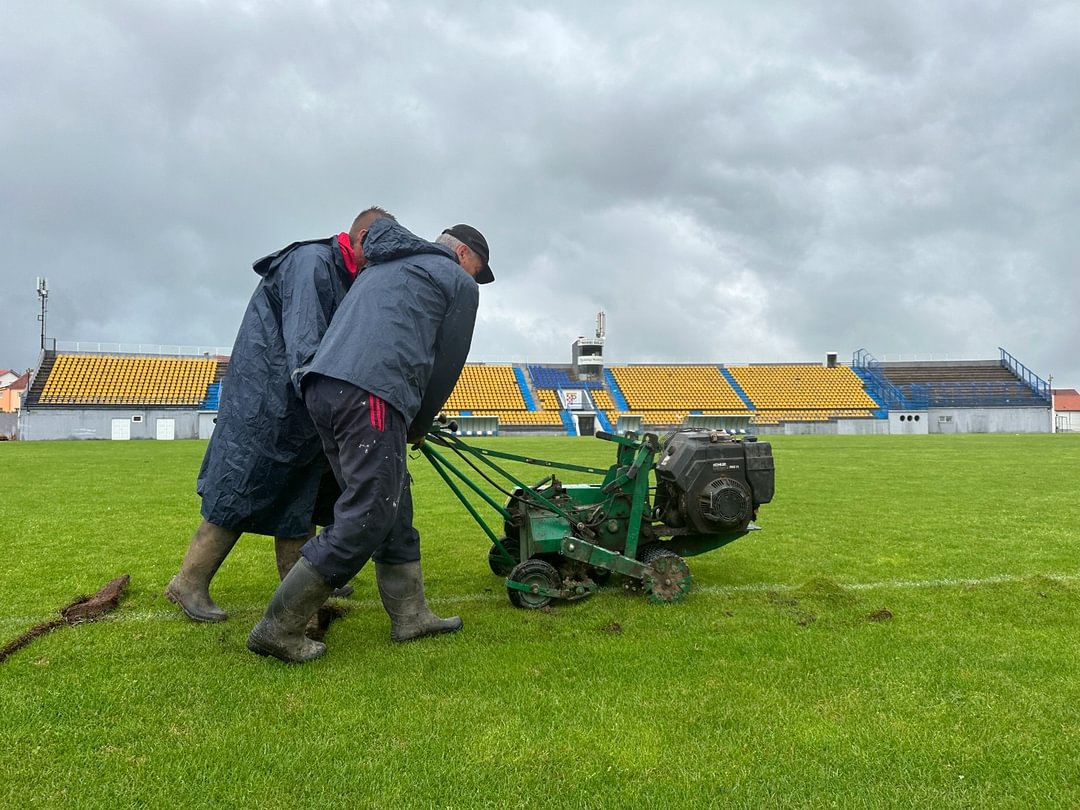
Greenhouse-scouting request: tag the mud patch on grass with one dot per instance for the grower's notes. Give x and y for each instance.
(612, 629)
(320, 623)
(881, 615)
(801, 616)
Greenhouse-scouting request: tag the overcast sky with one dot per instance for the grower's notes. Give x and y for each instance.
(729, 181)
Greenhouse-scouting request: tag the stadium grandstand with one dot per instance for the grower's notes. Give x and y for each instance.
(116, 391)
(169, 392)
(95, 380)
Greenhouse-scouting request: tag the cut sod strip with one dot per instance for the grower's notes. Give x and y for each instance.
(83, 609)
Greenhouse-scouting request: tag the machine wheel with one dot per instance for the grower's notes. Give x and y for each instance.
(533, 572)
(497, 563)
(668, 579)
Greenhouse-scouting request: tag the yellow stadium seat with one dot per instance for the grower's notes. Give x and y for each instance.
(122, 380)
(660, 388)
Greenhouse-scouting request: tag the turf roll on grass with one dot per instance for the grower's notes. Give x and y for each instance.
(83, 609)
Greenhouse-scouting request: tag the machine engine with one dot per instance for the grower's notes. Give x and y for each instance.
(710, 482)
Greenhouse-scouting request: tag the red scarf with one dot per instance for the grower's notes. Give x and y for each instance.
(347, 253)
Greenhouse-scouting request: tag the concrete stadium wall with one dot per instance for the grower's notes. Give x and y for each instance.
(9, 424)
(841, 427)
(908, 423)
(990, 420)
(97, 424)
(960, 420)
(192, 424)
(207, 421)
(862, 427)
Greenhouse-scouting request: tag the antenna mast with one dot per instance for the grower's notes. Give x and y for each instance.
(43, 295)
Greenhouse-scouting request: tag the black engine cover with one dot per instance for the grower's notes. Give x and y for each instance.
(711, 482)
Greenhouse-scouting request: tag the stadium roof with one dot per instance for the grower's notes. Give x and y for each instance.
(1066, 399)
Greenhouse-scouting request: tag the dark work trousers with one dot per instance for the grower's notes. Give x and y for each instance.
(364, 440)
(329, 492)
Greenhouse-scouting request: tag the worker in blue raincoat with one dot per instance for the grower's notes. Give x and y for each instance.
(264, 470)
(385, 367)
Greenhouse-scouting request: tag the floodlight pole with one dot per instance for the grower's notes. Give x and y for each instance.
(43, 295)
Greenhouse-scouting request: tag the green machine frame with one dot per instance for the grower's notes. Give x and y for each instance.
(559, 541)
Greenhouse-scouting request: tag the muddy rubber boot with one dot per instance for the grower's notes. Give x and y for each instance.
(287, 552)
(401, 588)
(190, 588)
(280, 632)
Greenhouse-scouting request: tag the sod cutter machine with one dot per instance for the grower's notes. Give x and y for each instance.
(659, 503)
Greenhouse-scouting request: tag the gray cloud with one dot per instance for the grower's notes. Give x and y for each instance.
(729, 182)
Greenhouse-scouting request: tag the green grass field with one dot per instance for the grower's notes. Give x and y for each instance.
(781, 682)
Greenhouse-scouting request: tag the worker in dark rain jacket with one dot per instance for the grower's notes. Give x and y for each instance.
(387, 364)
(264, 470)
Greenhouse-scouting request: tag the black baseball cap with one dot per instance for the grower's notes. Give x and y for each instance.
(475, 241)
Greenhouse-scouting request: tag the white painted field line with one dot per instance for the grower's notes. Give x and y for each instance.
(494, 594)
(889, 584)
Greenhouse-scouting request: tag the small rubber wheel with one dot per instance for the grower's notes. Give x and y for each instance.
(534, 573)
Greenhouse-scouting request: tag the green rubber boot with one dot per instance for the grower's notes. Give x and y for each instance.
(401, 588)
(287, 552)
(190, 588)
(280, 632)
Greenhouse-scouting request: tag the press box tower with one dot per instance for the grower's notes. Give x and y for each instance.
(588, 353)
